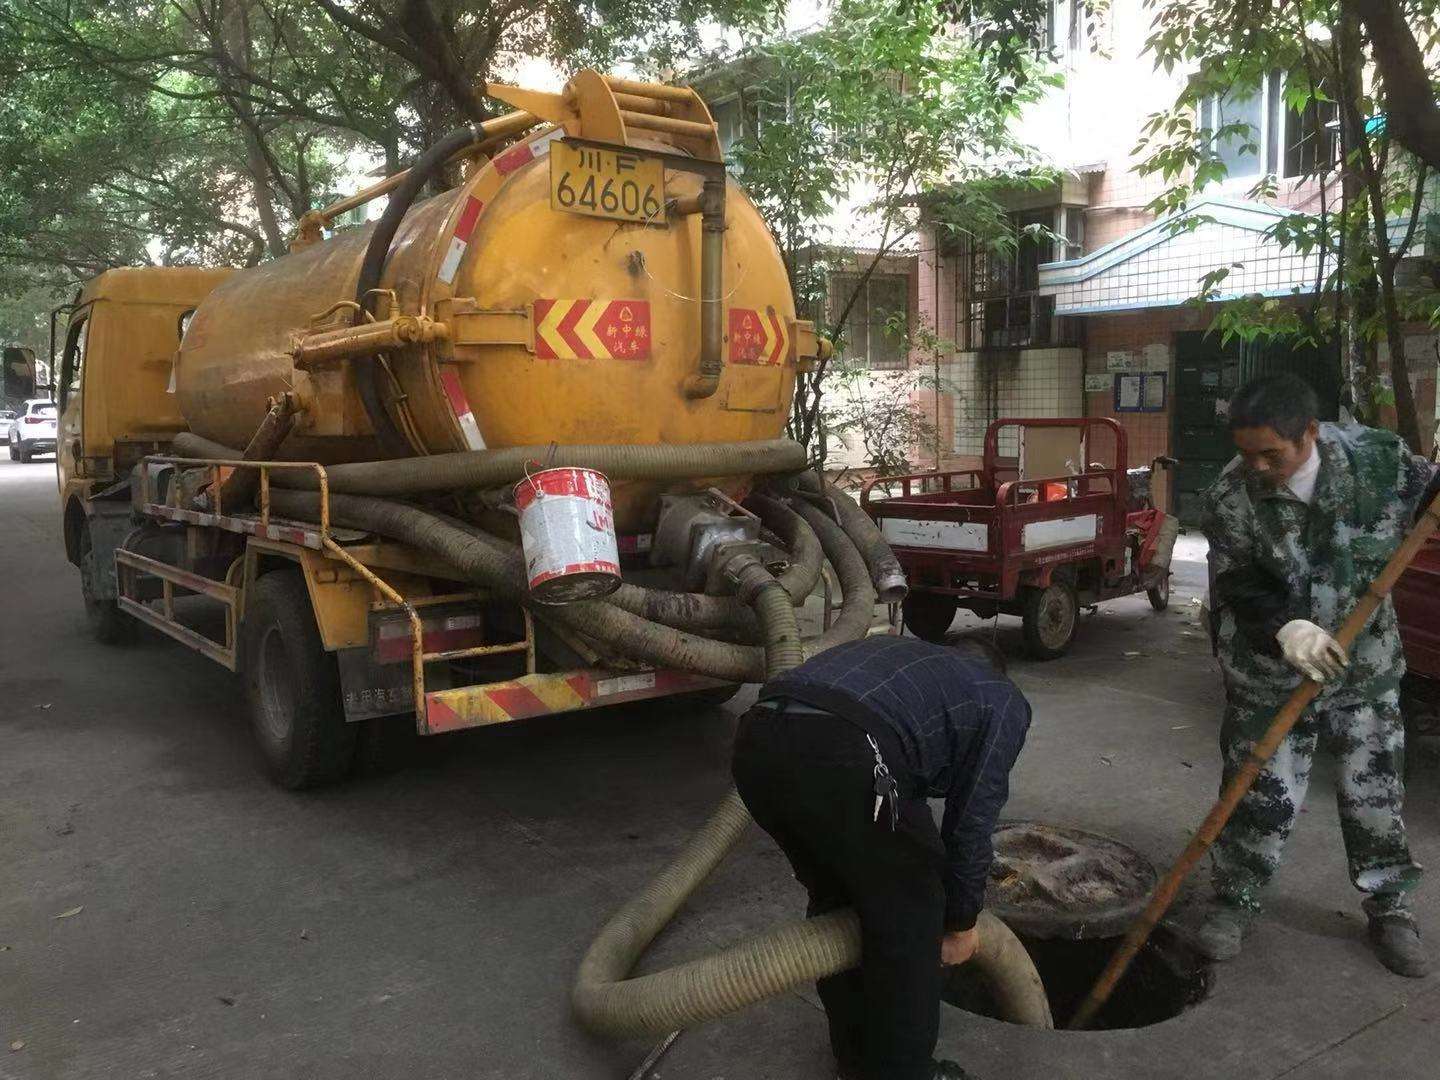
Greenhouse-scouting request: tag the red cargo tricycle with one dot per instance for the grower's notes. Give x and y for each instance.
(1039, 533)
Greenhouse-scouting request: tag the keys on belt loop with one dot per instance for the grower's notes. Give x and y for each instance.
(886, 790)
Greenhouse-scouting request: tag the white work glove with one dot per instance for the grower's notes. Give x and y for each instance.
(1311, 650)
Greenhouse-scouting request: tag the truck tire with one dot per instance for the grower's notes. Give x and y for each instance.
(1159, 593)
(293, 686)
(108, 624)
(928, 615)
(1051, 617)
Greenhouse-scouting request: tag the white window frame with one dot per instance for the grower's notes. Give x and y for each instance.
(1273, 85)
(862, 313)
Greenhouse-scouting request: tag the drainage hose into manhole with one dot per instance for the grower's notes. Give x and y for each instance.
(606, 1001)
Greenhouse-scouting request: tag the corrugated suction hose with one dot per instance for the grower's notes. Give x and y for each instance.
(885, 570)
(477, 469)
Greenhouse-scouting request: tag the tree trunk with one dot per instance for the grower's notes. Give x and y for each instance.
(237, 47)
(1366, 172)
(1357, 278)
(1412, 115)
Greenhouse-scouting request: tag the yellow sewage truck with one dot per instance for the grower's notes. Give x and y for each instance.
(596, 296)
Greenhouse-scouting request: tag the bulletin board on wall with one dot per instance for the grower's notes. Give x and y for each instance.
(1140, 392)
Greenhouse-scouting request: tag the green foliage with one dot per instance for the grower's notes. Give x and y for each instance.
(200, 130)
(1316, 49)
(887, 100)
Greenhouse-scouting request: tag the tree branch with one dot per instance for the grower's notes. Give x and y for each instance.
(1412, 116)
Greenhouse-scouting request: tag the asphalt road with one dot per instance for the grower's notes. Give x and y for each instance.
(166, 912)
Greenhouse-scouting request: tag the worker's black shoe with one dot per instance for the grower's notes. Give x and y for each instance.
(948, 1070)
(1222, 931)
(1396, 941)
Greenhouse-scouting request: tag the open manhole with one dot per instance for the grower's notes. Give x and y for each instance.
(1069, 895)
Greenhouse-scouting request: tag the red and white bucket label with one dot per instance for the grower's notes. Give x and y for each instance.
(567, 531)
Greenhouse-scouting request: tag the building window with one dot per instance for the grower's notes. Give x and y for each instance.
(999, 293)
(874, 332)
(745, 113)
(1276, 138)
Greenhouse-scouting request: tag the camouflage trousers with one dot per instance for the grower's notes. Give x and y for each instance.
(1367, 737)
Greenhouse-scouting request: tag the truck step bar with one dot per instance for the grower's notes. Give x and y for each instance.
(130, 567)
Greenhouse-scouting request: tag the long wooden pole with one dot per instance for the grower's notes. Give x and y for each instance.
(1260, 753)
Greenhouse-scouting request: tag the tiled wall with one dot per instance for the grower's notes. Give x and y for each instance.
(1024, 383)
(1148, 434)
(1171, 271)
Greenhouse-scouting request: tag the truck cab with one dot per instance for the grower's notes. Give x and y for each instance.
(112, 384)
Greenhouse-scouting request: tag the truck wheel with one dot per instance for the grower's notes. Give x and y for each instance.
(928, 615)
(1051, 617)
(1159, 593)
(293, 686)
(108, 624)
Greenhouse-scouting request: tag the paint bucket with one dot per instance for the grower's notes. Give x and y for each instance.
(567, 530)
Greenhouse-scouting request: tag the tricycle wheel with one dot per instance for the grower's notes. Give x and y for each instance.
(1159, 593)
(929, 615)
(1051, 617)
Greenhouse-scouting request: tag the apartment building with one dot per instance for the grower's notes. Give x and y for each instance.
(1099, 323)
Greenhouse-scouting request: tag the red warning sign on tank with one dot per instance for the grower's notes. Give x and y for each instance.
(757, 337)
(592, 329)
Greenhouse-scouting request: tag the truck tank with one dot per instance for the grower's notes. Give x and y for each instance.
(509, 319)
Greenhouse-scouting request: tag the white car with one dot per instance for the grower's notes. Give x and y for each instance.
(7, 423)
(33, 431)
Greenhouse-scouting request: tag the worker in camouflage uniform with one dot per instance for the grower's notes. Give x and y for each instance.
(1300, 524)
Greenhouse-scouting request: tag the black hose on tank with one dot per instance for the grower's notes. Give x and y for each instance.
(377, 251)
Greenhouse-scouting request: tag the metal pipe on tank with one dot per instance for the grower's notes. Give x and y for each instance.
(366, 339)
(712, 281)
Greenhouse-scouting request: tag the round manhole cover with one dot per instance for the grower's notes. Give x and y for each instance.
(1049, 881)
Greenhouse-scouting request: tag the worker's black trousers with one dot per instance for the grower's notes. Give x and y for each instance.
(808, 781)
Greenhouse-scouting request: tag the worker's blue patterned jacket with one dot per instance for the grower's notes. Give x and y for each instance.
(960, 725)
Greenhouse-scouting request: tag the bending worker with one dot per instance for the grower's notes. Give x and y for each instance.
(1299, 526)
(835, 761)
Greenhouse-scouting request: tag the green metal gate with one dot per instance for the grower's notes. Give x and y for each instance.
(1207, 373)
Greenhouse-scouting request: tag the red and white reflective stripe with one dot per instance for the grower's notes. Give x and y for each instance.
(635, 544)
(450, 380)
(437, 635)
(464, 230)
(519, 156)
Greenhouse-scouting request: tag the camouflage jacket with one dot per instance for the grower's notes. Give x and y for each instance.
(1273, 559)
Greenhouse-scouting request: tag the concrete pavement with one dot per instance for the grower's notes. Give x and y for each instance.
(428, 924)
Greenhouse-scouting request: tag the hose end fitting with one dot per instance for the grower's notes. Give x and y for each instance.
(748, 573)
(892, 587)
